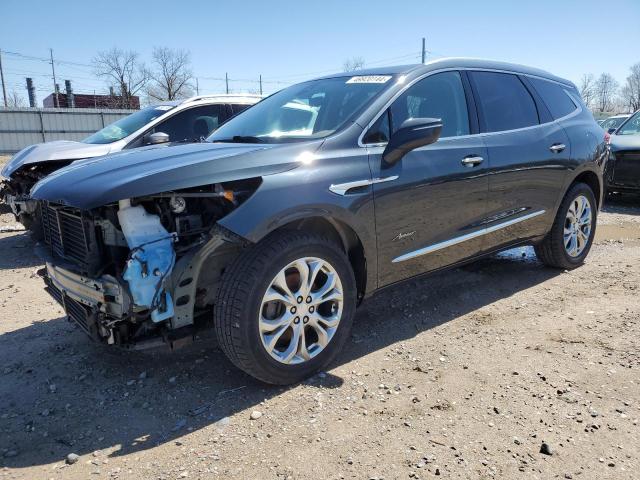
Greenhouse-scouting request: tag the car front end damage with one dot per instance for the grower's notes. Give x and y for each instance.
(14, 190)
(145, 271)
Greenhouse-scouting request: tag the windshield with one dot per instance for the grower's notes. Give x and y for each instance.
(127, 125)
(305, 111)
(632, 127)
(613, 122)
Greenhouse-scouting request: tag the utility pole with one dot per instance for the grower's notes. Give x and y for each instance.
(55, 86)
(197, 87)
(4, 92)
(424, 50)
(31, 92)
(226, 80)
(260, 85)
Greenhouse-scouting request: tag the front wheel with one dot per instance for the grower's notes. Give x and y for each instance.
(286, 306)
(568, 242)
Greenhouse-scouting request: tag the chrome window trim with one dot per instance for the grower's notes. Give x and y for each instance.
(463, 238)
(577, 111)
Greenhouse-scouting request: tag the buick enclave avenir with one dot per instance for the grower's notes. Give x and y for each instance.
(294, 211)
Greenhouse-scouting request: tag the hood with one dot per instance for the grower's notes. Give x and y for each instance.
(624, 142)
(52, 151)
(91, 183)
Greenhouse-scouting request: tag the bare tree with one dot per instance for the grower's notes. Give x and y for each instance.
(123, 69)
(631, 91)
(587, 89)
(15, 100)
(351, 64)
(605, 91)
(171, 74)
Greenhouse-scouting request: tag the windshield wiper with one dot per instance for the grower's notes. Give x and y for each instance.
(240, 139)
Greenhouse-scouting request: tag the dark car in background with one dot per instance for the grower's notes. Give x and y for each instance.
(294, 211)
(623, 168)
(188, 120)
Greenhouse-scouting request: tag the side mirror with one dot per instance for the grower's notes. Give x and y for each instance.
(157, 138)
(413, 133)
(611, 130)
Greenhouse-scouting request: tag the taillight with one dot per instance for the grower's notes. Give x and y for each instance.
(607, 137)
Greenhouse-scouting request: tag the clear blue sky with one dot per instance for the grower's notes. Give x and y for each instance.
(288, 41)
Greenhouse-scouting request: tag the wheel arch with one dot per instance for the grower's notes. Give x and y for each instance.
(593, 181)
(343, 235)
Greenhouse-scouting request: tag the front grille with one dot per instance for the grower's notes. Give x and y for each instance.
(67, 233)
(77, 312)
(55, 293)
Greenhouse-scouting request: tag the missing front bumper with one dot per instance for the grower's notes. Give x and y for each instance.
(20, 205)
(105, 295)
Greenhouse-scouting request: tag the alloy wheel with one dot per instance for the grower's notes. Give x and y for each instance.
(577, 226)
(301, 310)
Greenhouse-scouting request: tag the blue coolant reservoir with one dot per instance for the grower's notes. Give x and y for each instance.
(151, 259)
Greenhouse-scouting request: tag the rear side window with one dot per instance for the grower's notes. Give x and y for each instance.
(238, 107)
(193, 124)
(505, 102)
(555, 97)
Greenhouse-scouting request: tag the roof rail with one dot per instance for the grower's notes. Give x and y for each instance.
(218, 95)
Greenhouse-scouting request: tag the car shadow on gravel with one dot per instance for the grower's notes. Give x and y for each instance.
(17, 251)
(60, 393)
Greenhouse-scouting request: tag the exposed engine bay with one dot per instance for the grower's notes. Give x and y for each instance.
(141, 271)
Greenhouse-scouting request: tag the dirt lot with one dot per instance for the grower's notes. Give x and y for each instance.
(464, 374)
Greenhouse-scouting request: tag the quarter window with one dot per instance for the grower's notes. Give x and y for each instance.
(505, 102)
(554, 96)
(379, 131)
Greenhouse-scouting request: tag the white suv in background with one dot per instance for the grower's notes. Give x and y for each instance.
(180, 121)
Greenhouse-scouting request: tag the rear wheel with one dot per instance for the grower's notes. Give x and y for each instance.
(568, 242)
(286, 307)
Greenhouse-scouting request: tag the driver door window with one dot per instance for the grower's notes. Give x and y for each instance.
(437, 96)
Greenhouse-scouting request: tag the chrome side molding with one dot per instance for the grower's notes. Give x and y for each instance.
(343, 188)
(463, 238)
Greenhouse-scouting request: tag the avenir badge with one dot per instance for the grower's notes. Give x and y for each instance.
(369, 79)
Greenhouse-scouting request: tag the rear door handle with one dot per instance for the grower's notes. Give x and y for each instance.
(472, 161)
(557, 147)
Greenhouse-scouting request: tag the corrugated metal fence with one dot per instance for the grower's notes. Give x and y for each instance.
(20, 127)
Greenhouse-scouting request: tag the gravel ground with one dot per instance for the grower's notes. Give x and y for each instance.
(501, 369)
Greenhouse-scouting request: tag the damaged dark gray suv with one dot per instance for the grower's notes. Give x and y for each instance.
(275, 229)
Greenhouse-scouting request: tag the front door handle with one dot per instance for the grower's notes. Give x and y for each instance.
(557, 147)
(472, 161)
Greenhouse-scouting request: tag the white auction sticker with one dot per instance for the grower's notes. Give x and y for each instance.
(370, 79)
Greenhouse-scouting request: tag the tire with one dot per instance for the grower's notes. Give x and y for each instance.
(552, 251)
(240, 312)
